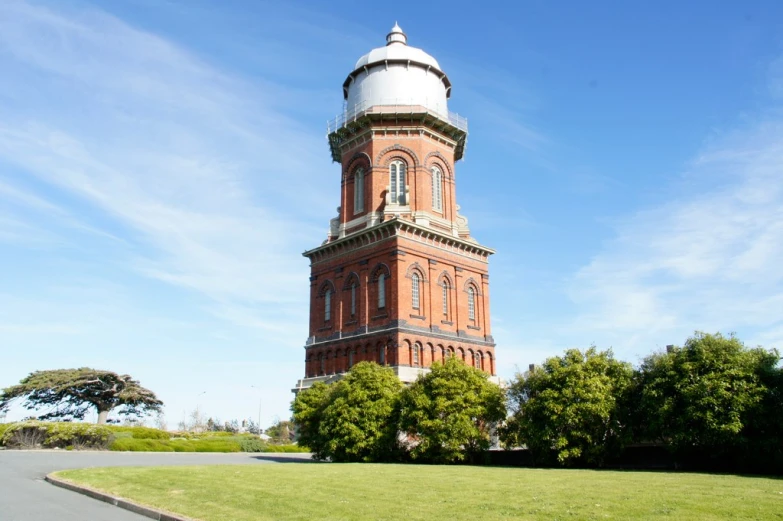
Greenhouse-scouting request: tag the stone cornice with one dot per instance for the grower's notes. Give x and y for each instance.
(397, 227)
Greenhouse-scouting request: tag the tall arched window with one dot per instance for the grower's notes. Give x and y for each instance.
(445, 288)
(321, 367)
(471, 303)
(437, 189)
(358, 191)
(328, 305)
(353, 299)
(397, 182)
(350, 358)
(382, 355)
(381, 290)
(478, 360)
(415, 291)
(416, 353)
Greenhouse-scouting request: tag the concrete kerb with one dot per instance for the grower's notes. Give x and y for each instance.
(145, 511)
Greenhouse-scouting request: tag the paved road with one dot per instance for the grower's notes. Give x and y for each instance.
(25, 496)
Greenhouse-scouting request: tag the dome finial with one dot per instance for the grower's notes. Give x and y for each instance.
(396, 36)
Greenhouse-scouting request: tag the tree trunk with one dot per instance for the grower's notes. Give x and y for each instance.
(102, 415)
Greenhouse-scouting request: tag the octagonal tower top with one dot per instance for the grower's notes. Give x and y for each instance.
(397, 74)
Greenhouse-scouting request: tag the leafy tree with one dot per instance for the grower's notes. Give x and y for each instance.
(352, 419)
(74, 392)
(570, 408)
(449, 413)
(708, 396)
(281, 432)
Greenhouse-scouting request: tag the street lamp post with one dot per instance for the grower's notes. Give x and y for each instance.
(259, 410)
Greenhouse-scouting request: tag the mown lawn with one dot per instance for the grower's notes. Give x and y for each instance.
(302, 491)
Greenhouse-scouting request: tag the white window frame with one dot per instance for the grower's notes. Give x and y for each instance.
(358, 191)
(415, 291)
(381, 291)
(328, 305)
(477, 360)
(397, 182)
(416, 354)
(437, 189)
(445, 298)
(471, 303)
(353, 299)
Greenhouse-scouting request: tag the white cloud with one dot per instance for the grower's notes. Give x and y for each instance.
(203, 172)
(709, 260)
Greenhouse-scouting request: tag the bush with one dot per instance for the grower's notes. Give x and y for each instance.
(286, 448)
(137, 445)
(204, 445)
(253, 444)
(140, 433)
(35, 434)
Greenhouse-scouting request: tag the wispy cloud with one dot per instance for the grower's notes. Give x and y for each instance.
(203, 172)
(706, 260)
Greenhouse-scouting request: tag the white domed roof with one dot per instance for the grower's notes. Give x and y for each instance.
(396, 49)
(397, 74)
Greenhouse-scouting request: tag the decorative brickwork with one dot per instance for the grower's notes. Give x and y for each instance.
(399, 280)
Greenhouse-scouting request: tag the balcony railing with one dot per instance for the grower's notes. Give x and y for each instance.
(396, 106)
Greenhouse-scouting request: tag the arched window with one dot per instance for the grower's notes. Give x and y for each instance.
(381, 291)
(478, 360)
(471, 303)
(437, 189)
(353, 299)
(415, 291)
(416, 353)
(350, 358)
(358, 191)
(328, 305)
(381, 355)
(445, 287)
(397, 182)
(321, 363)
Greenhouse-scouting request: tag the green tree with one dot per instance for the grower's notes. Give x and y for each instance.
(74, 392)
(449, 413)
(281, 432)
(353, 419)
(708, 397)
(571, 408)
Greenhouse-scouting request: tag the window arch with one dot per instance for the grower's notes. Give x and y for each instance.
(416, 355)
(471, 303)
(397, 182)
(358, 191)
(437, 189)
(380, 274)
(445, 289)
(415, 291)
(477, 359)
(328, 304)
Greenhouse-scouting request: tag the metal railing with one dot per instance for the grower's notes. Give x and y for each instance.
(396, 106)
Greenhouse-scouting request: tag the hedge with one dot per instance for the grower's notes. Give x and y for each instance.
(35, 434)
(203, 445)
(139, 433)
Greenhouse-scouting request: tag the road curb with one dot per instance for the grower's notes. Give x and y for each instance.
(145, 511)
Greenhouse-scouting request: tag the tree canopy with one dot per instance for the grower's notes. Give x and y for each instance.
(71, 393)
(704, 396)
(353, 419)
(570, 407)
(450, 412)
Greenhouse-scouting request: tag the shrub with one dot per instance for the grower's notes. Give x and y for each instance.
(253, 444)
(286, 448)
(140, 445)
(34, 434)
(140, 433)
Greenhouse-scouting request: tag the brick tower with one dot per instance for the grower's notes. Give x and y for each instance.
(399, 279)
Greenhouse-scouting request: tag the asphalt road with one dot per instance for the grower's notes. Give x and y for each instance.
(25, 496)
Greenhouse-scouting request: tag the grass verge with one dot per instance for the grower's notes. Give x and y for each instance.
(288, 492)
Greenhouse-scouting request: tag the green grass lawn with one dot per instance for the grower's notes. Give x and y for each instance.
(302, 491)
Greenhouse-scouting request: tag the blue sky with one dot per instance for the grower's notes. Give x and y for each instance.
(158, 158)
